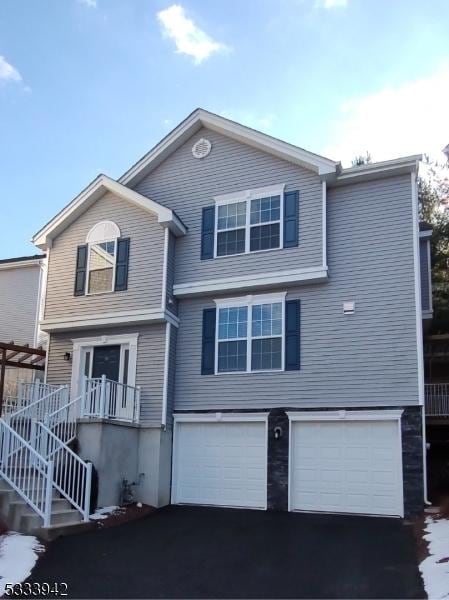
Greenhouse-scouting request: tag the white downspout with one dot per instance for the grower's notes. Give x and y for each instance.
(419, 334)
(165, 384)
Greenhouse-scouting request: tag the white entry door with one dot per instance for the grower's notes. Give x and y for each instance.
(220, 464)
(346, 466)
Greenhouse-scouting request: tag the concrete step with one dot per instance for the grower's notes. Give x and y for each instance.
(19, 516)
(54, 531)
(30, 520)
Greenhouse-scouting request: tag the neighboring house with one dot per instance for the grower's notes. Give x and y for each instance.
(267, 304)
(21, 294)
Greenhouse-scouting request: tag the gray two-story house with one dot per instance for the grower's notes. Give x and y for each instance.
(242, 322)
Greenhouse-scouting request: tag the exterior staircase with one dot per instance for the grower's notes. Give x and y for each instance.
(44, 485)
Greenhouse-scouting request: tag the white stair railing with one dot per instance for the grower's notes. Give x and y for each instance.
(41, 431)
(108, 399)
(26, 471)
(21, 420)
(71, 476)
(32, 391)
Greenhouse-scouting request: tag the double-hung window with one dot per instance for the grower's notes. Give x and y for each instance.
(249, 221)
(102, 262)
(250, 334)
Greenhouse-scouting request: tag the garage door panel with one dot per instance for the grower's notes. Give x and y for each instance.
(222, 464)
(350, 466)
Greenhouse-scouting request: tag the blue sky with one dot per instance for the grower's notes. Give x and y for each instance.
(89, 86)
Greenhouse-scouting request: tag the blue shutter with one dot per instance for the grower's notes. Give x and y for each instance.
(292, 335)
(291, 214)
(80, 273)
(208, 348)
(121, 266)
(207, 233)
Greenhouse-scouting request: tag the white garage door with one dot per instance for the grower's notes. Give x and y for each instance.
(346, 466)
(222, 464)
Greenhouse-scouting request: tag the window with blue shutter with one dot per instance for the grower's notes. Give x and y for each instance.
(121, 267)
(208, 233)
(81, 268)
(291, 218)
(292, 335)
(208, 344)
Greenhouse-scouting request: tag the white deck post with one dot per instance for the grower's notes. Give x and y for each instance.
(83, 396)
(48, 494)
(137, 405)
(87, 489)
(102, 396)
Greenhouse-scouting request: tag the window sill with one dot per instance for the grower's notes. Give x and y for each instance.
(250, 252)
(249, 372)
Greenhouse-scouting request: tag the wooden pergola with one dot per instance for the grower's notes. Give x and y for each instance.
(21, 357)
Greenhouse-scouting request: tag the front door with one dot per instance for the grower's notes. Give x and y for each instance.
(106, 361)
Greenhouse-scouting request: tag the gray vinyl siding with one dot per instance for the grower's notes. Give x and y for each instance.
(150, 364)
(186, 185)
(367, 359)
(425, 275)
(145, 262)
(19, 289)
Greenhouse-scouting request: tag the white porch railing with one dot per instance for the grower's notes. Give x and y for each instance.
(107, 399)
(26, 471)
(437, 399)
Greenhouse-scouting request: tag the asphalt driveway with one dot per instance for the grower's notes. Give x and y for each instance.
(193, 552)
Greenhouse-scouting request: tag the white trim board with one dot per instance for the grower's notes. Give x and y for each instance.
(129, 339)
(108, 319)
(219, 417)
(345, 415)
(95, 190)
(249, 282)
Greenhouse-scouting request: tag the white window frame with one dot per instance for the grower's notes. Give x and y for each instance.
(248, 302)
(89, 293)
(93, 239)
(247, 196)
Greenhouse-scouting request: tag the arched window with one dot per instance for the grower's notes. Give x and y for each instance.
(102, 252)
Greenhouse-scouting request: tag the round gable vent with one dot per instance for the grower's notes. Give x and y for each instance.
(201, 148)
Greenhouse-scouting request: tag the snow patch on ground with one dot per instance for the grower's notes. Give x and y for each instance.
(435, 568)
(105, 512)
(18, 555)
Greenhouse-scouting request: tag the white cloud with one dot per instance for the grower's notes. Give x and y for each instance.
(8, 72)
(396, 121)
(332, 3)
(89, 3)
(189, 39)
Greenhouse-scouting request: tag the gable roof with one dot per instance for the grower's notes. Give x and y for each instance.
(202, 118)
(97, 188)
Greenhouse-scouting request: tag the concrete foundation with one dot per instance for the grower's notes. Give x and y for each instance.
(125, 451)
